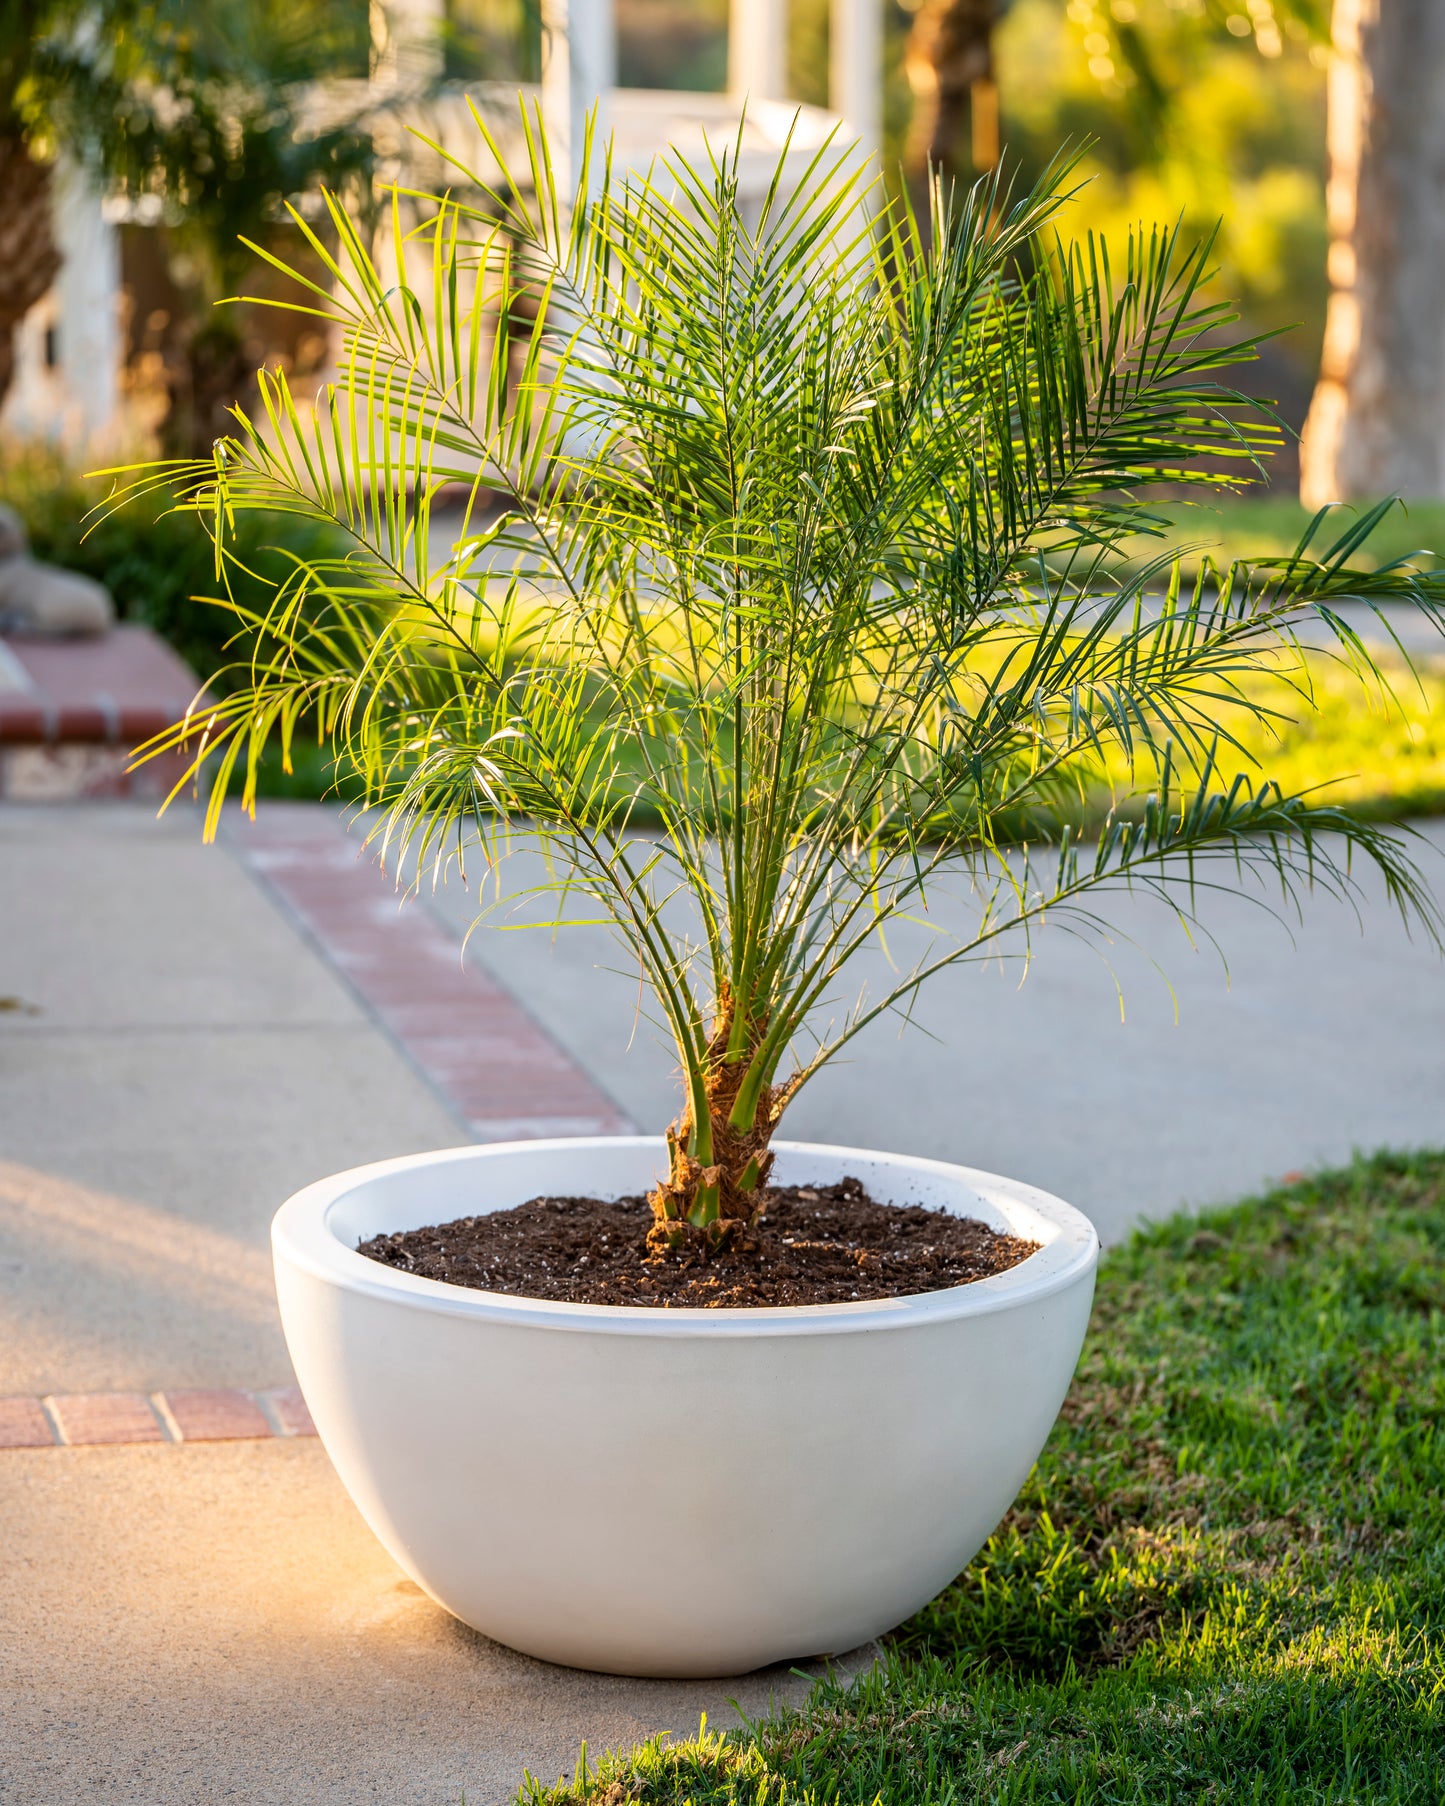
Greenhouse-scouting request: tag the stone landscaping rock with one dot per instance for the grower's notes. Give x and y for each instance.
(38, 598)
(13, 542)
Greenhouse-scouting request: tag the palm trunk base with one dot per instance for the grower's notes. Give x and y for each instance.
(714, 1201)
(704, 1207)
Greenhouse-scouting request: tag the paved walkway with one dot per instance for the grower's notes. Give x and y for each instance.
(192, 1607)
(1319, 1038)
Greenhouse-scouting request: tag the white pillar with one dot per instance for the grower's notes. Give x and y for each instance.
(87, 313)
(758, 49)
(855, 74)
(407, 42)
(579, 72)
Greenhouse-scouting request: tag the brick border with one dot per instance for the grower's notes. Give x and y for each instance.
(72, 709)
(94, 1419)
(497, 1070)
(116, 688)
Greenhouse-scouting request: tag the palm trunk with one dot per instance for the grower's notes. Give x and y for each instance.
(719, 1149)
(1377, 420)
(218, 373)
(949, 64)
(29, 257)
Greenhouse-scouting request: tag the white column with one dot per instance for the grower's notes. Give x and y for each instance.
(87, 314)
(758, 49)
(855, 83)
(579, 72)
(406, 42)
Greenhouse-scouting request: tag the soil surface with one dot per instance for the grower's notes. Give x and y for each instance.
(826, 1244)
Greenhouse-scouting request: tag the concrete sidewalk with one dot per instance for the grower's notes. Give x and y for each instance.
(1319, 1037)
(176, 1061)
(186, 1625)
(212, 1620)
(190, 1034)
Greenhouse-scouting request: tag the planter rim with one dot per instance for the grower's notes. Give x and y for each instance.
(303, 1231)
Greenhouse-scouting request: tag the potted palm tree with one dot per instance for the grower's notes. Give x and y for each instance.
(778, 585)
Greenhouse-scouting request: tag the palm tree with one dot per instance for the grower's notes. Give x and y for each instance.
(207, 110)
(1377, 420)
(806, 600)
(29, 256)
(949, 64)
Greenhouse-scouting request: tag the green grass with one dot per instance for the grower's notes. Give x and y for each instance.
(1271, 526)
(1377, 751)
(1377, 759)
(1378, 754)
(1225, 1579)
(1381, 757)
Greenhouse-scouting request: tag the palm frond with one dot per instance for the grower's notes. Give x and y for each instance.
(803, 588)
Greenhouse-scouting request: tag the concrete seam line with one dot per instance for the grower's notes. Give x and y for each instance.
(267, 1407)
(167, 1417)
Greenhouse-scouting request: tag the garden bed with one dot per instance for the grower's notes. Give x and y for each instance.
(1224, 1580)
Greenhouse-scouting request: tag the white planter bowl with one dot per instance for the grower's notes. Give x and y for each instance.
(675, 1492)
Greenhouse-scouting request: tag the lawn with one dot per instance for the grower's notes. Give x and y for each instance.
(1375, 749)
(1376, 756)
(1271, 526)
(1377, 752)
(1225, 1579)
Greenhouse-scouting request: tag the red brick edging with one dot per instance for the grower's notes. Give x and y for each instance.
(116, 689)
(500, 1073)
(88, 1419)
(72, 709)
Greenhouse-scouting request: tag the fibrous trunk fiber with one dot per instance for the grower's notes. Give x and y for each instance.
(715, 1200)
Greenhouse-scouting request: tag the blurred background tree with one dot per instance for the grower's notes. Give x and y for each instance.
(29, 256)
(1209, 111)
(1213, 114)
(203, 118)
(949, 64)
(1377, 422)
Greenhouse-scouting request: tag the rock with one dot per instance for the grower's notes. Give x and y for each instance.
(14, 542)
(40, 598)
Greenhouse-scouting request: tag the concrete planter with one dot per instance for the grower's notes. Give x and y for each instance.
(674, 1492)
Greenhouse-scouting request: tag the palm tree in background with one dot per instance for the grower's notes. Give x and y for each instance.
(949, 64)
(29, 257)
(207, 109)
(1377, 421)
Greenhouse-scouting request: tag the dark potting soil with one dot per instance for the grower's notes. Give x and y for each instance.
(825, 1244)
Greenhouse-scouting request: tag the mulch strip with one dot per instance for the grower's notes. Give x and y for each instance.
(826, 1244)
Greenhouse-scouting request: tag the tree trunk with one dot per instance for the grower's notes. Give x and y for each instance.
(714, 1189)
(29, 258)
(1377, 421)
(217, 373)
(949, 64)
